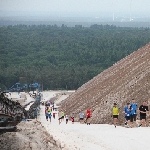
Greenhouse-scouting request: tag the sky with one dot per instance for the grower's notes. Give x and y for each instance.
(75, 6)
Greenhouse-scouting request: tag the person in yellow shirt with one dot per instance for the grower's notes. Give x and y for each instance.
(115, 113)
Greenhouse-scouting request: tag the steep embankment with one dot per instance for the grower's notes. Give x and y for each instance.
(129, 78)
(29, 135)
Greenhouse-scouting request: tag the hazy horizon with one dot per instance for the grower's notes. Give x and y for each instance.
(61, 9)
(74, 7)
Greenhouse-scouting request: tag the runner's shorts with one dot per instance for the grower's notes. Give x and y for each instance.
(127, 118)
(115, 116)
(142, 117)
(133, 117)
(49, 115)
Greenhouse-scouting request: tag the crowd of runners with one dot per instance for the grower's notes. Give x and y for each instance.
(131, 111)
(50, 112)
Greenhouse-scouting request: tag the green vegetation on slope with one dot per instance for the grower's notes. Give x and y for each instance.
(63, 57)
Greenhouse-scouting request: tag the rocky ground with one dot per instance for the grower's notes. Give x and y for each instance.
(30, 135)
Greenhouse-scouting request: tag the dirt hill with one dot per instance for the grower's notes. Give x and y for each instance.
(127, 79)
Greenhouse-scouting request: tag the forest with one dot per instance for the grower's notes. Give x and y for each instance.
(63, 57)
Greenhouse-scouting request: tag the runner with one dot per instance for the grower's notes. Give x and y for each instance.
(72, 118)
(53, 106)
(48, 103)
(143, 111)
(46, 113)
(60, 116)
(66, 118)
(49, 113)
(88, 116)
(127, 111)
(63, 115)
(81, 117)
(125, 108)
(133, 107)
(54, 114)
(115, 113)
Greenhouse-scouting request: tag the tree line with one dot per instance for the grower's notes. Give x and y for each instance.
(63, 57)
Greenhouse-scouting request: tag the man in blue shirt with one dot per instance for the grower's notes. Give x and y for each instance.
(133, 107)
(127, 111)
(81, 116)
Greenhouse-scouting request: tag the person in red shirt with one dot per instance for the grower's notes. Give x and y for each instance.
(72, 118)
(88, 116)
(53, 114)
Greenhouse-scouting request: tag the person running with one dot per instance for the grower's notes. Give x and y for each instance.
(46, 113)
(67, 118)
(88, 116)
(63, 115)
(115, 113)
(133, 107)
(53, 106)
(127, 111)
(143, 111)
(72, 118)
(48, 103)
(49, 113)
(81, 117)
(54, 114)
(60, 116)
(125, 108)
